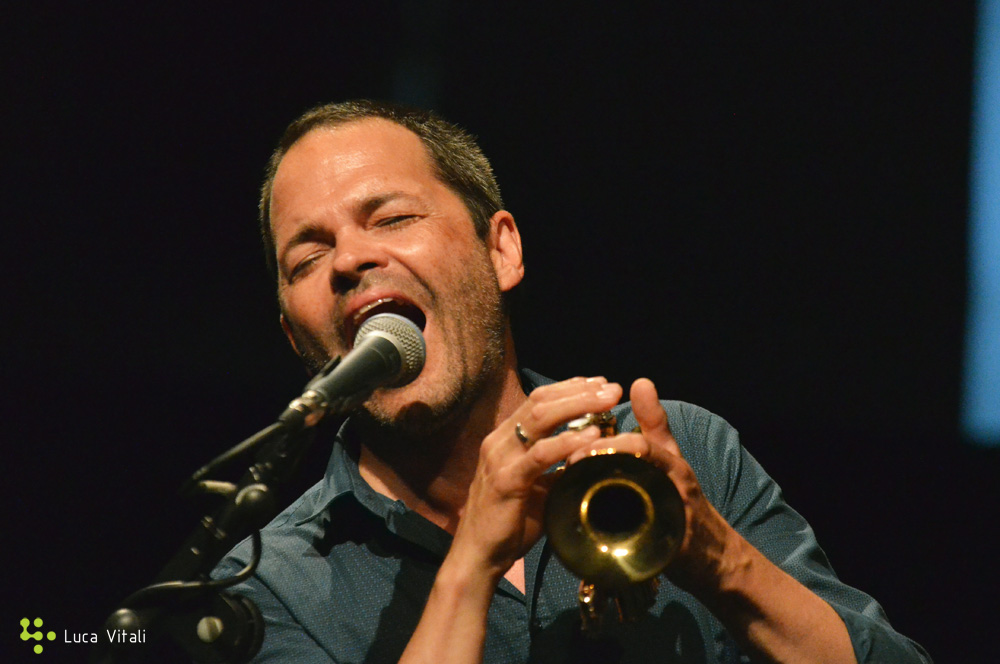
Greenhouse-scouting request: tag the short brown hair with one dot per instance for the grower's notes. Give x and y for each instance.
(457, 159)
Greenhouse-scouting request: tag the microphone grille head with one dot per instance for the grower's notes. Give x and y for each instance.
(405, 336)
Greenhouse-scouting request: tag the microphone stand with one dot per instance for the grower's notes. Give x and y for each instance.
(184, 603)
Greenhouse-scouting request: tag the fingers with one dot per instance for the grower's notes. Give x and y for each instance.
(550, 451)
(653, 440)
(651, 416)
(521, 443)
(550, 406)
(502, 513)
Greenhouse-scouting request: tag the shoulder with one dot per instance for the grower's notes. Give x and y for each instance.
(695, 428)
(285, 532)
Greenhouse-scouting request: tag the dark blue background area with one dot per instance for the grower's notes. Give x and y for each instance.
(761, 206)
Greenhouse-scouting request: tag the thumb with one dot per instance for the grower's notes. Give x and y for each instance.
(651, 416)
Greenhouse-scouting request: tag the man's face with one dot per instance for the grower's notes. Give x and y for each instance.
(361, 226)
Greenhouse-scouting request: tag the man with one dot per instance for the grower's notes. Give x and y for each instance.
(423, 543)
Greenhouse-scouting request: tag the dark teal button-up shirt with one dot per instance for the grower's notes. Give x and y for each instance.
(346, 571)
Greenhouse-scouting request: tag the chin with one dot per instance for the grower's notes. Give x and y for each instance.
(415, 419)
(419, 408)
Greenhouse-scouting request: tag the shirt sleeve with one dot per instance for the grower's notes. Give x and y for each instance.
(753, 504)
(285, 638)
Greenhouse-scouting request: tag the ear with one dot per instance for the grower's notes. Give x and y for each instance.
(288, 333)
(505, 250)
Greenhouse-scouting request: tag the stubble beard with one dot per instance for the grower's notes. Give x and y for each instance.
(474, 310)
(474, 327)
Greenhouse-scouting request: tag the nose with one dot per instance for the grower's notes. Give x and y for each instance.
(355, 254)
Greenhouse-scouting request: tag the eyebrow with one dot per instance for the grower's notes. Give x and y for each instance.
(373, 203)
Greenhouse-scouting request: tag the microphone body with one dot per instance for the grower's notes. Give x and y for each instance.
(389, 351)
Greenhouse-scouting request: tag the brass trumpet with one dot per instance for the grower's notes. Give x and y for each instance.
(616, 521)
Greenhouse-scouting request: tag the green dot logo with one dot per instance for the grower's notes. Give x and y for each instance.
(25, 634)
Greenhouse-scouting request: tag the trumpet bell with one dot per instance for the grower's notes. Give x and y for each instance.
(614, 520)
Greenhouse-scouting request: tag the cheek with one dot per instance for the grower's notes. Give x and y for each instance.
(440, 241)
(307, 314)
(296, 311)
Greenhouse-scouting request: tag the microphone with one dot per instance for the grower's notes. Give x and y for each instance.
(389, 351)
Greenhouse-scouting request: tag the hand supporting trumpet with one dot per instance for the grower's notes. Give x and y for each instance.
(771, 615)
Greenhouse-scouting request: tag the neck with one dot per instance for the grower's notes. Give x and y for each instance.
(432, 474)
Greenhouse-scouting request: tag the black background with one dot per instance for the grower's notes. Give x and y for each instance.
(761, 206)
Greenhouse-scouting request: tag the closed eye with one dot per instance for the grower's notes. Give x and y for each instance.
(303, 266)
(395, 220)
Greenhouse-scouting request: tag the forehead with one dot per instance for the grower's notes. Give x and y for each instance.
(329, 159)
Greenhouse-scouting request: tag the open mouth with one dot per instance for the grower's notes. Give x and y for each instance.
(387, 305)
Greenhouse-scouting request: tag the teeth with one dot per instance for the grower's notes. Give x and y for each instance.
(371, 305)
(363, 312)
